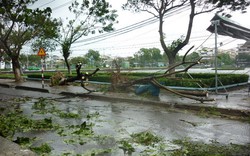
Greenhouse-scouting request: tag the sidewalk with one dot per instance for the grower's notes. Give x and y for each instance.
(238, 101)
(9, 148)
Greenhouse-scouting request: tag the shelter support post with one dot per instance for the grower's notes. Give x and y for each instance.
(216, 23)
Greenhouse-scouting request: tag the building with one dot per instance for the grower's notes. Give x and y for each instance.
(243, 58)
(244, 48)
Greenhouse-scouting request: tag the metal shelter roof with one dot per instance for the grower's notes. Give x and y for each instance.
(230, 28)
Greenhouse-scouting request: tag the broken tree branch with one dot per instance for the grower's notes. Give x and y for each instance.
(178, 93)
(197, 95)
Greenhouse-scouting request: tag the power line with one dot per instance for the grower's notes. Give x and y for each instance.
(129, 28)
(228, 42)
(125, 29)
(62, 5)
(151, 44)
(204, 41)
(46, 4)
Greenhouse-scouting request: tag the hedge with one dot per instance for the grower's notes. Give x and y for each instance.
(183, 80)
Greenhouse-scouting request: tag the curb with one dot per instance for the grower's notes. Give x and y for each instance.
(9, 148)
(5, 85)
(32, 89)
(24, 88)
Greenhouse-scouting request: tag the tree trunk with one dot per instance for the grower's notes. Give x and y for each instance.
(17, 69)
(171, 57)
(171, 63)
(68, 66)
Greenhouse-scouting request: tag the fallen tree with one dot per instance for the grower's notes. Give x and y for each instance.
(119, 82)
(201, 96)
(59, 78)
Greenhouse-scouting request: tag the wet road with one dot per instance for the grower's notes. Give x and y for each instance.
(118, 120)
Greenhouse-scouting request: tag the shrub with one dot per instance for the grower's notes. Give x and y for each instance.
(182, 80)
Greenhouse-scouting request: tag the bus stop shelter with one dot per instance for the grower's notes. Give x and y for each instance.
(227, 27)
(224, 26)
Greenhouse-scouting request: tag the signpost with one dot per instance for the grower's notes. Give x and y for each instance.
(42, 54)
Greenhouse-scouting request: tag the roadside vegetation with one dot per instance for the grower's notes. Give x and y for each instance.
(205, 80)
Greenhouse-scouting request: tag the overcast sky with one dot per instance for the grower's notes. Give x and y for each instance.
(147, 36)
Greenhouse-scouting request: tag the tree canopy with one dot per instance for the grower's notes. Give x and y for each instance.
(19, 25)
(147, 57)
(93, 57)
(89, 17)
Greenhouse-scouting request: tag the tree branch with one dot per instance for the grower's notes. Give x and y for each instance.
(156, 83)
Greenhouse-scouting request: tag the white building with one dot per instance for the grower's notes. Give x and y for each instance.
(244, 48)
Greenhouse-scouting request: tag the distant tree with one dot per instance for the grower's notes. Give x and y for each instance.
(90, 16)
(156, 54)
(160, 8)
(224, 58)
(93, 57)
(30, 60)
(193, 56)
(243, 58)
(132, 61)
(19, 25)
(78, 59)
(146, 57)
(117, 62)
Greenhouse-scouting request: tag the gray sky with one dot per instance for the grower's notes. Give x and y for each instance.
(146, 37)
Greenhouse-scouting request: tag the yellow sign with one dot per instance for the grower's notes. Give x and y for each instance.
(41, 52)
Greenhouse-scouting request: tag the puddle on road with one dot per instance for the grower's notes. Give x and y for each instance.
(88, 126)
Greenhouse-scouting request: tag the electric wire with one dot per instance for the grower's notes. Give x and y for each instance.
(127, 30)
(148, 44)
(147, 21)
(62, 5)
(228, 42)
(46, 4)
(204, 41)
(130, 28)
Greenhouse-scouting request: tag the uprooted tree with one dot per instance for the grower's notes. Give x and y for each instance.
(123, 84)
(120, 82)
(59, 78)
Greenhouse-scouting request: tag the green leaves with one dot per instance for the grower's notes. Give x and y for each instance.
(175, 43)
(189, 147)
(84, 129)
(14, 122)
(145, 138)
(126, 147)
(43, 149)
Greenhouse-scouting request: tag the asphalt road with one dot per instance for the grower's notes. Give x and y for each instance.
(121, 119)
